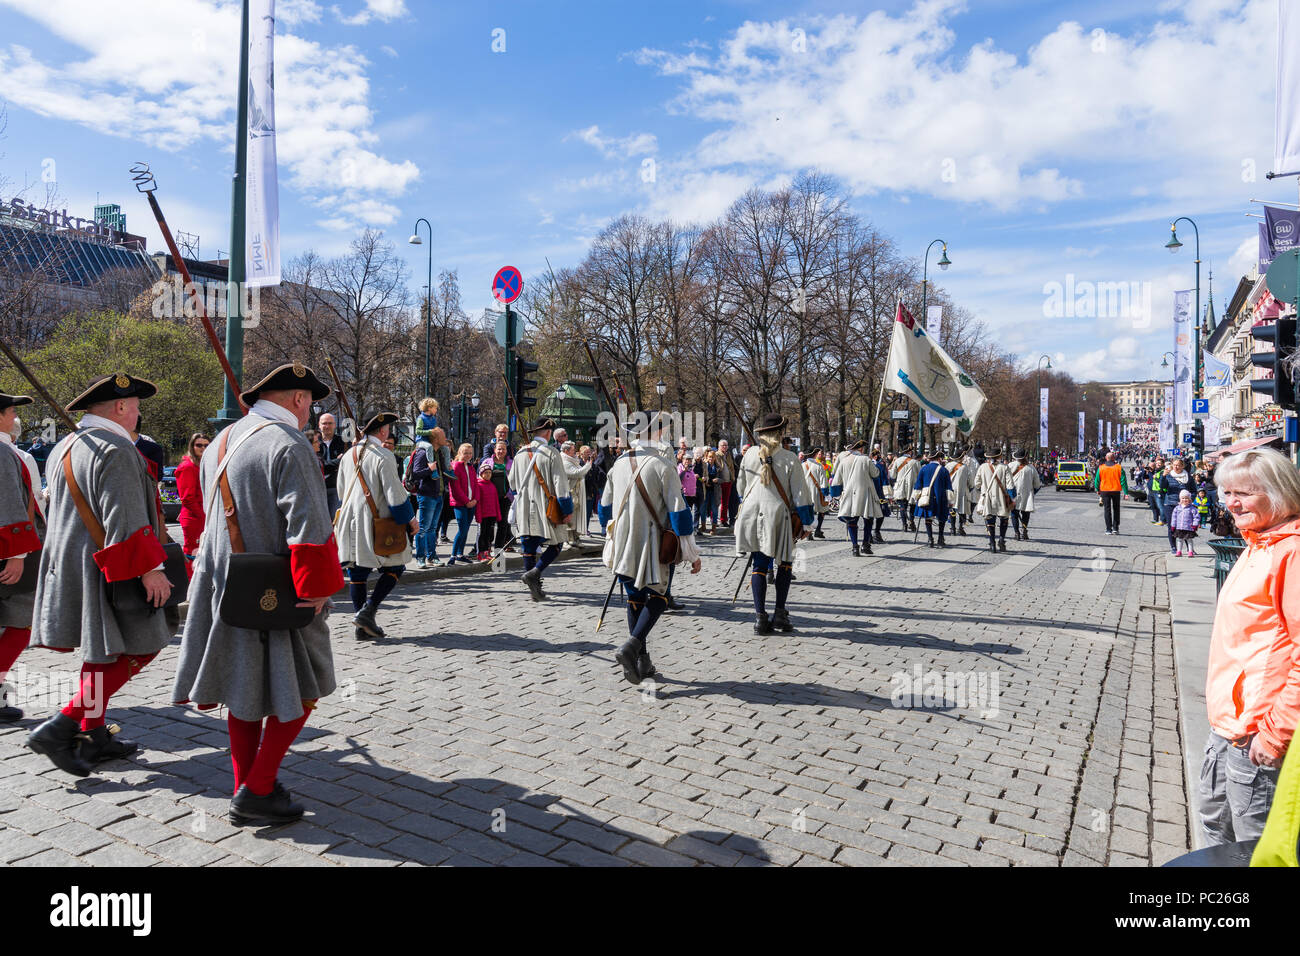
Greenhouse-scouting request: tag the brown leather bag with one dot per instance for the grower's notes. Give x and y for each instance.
(554, 514)
(670, 546)
(389, 537)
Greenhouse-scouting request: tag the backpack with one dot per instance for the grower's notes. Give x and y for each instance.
(409, 483)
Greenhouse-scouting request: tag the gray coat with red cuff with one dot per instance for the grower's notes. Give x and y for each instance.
(72, 608)
(21, 531)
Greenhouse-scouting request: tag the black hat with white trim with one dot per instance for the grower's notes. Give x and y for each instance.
(379, 421)
(110, 388)
(285, 378)
(12, 401)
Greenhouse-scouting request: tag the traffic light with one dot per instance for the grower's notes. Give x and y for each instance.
(523, 384)
(904, 434)
(473, 421)
(1281, 387)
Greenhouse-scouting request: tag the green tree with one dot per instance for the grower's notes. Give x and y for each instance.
(171, 355)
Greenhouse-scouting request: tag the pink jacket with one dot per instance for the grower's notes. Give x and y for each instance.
(489, 505)
(463, 488)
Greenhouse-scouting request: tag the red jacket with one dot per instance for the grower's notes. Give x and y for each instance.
(489, 504)
(464, 487)
(188, 490)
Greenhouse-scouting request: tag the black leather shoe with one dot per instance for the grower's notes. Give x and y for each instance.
(1024, 535)
(361, 635)
(1002, 544)
(993, 546)
(8, 714)
(878, 538)
(762, 624)
(644, 667)
(276, 807)
(57, 739)
(533, 580)
(866, 550)
(818, 534)
(856, 551)
(365, 620)
(103, 744)
(672, 603)
(781, 620)
(627, 657)
(942, 543)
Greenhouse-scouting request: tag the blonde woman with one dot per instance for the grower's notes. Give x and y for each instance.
(463, 494)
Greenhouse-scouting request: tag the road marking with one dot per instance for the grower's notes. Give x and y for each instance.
(1011, 570)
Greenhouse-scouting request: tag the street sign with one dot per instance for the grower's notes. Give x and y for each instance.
(1281, 275)
(507, 284)
(1188, 438)
(900, 415)
(1200, 406)
(502, 331)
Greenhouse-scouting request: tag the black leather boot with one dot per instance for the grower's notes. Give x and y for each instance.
(1002, 543)
(762, 624)
(533, 580)
(866, 548)
(365, 620)
(856, 551)
(643, 665)
(103, 744)
(627, 656)
(57, 739)
(781, 620)
(276, 807)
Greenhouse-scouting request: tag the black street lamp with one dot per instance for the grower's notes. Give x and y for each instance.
(661, 387)
(1173, 245)
(559, 397)
(428, 302)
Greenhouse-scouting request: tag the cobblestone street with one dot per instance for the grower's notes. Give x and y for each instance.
(932, 707)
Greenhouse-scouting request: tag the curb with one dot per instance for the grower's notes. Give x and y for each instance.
(1192, 602)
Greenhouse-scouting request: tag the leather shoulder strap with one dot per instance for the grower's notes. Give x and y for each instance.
(365, 488)
(83, 507)
(645, 496)
(781, 490)
(532, 460)
(223, 483)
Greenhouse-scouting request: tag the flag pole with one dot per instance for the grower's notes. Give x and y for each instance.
(875, 419)
(236, 274)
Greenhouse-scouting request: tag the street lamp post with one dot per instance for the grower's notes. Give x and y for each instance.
(428, 301)
(660, 387)
(560, 392)
(1173, 245)
(474, 400)
(1038, 438)
(943, 264)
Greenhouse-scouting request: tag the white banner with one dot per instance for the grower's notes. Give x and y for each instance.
(1286, 103)
(262, 196)
(1110, 433)
(925, 373)
(1042, 418)
(1167, 442)
(1081, 421)
(1183, 357)
(934, 327)
(1101, 432)
(1211, 432)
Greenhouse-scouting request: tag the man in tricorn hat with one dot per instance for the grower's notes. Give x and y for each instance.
(267, 477)
(961, 474)
(370, 487)
(903, 477)
(854, 483)
(22, 527)
(538, 477)
(932, 487)
(642, 495)
(993, 498)
(103, 527)
(1024, 482)
(773, 490)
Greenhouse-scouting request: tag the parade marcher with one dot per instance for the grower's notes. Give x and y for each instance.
(933, 485)
(961, 475)
(22, 526)
(818, 489)
(854, 483)
(543, 506)
(641, 502)
(262, 470)
(903, 477)
(1025, 481)
(993, 498)
(882, 475)
(103, 529)
(772, 492)
(372, 501)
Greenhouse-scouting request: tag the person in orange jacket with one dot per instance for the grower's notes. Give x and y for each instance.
(1252, 687)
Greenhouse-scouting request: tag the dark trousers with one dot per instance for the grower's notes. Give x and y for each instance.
(1110, 504)
(1019, 518)
(486, 531)
(357, 576)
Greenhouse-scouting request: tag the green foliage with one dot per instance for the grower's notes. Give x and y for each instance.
(173, 356)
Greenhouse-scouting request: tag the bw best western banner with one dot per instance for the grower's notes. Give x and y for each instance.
(925, 373)
(1183, 357)
(1042, 418)
(1081, 417)
(262, 197)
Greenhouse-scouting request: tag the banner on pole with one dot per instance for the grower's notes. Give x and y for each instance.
(1212, 426)
(1286, 103)
(1167, 442)
(1081, 417)
(1217, 372)
(1183, 357)
(261, 196)
(1042, 418)
(920, 369)
(1110, 433)
(934, 326)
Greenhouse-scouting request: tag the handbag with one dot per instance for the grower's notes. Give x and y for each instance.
(553, 513)
(924, 499)
(670, 546)
(796, 523)
(259, 594)
(389, 537)
(129, 595)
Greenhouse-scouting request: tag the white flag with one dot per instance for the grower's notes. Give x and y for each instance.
(925, 373)
(934, 327)
(261, 196)
(1286, 103)
(1042, 418)
(1081, 419)
(1183, 357)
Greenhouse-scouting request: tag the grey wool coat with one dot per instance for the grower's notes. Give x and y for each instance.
(854, 481)
(19, 519)
(530, 499)
(280, 503)
(72, 608)
(632, 534)
(763, 521)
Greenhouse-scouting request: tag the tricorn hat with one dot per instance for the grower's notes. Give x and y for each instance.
(11, 401)
(546, 424)
(859, 444)
(1019, 454)
(109, 388)
(378, 422)
(772, 422)
(291, 375)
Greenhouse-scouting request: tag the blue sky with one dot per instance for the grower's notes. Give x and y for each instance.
(1048, 143)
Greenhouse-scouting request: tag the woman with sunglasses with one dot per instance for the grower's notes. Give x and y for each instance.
(190, 491)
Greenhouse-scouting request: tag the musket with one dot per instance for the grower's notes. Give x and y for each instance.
(748, 561)
(343, 400)
(145, 183)
(40, 389)
(605, 607)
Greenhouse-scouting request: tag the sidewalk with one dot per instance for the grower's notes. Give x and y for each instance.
(1191, 608)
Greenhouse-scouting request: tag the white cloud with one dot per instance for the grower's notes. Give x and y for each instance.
(179, 101)
(637, 144)
(388, 51)
(385, 10)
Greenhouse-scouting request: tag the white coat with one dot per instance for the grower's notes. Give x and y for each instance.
(903, 476)
(818, 487)
(962, 477)
(632, 531)
(993, 501)
(1026, 480)
(576, 471)
(354, 526)
(854, 482)
(763, 521)
(530, 499)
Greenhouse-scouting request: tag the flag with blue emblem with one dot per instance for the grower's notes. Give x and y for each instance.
(1217, 372)
(920, 369)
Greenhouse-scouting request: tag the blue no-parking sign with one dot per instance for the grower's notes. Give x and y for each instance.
(507, 284)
